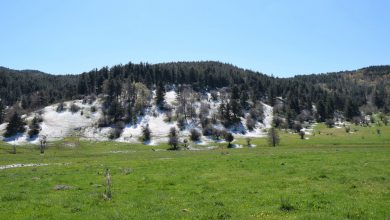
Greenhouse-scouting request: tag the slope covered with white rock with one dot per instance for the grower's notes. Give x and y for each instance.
(56, 124)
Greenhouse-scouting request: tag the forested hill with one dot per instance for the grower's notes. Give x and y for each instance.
(330, 92)
(33, 88)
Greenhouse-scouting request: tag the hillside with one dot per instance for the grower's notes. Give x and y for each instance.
(211, 98)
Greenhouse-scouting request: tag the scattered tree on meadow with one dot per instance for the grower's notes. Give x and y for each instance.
(229, 138)
(146, 133)
(173, 139)
(195, 135)
(273, 137)
(302, 134)
(15, 125)
(248, 142)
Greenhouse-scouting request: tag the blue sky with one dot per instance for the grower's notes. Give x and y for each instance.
(279, 37)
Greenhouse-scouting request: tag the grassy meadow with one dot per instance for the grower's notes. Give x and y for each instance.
(330, 175)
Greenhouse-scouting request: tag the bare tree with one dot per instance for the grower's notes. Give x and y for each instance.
(42, 141)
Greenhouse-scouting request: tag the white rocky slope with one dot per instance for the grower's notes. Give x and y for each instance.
(57, 125)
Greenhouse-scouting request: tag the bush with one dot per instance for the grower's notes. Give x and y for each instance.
(208, 130)
(285, 204)
(74, 108)
(93, 109)
(330, 123)
(278, 121)
(250, 123)
(217, 133)
(357, 120)
(103, 122)
(297, 126)
(117, 131)
(302, 134)
(195, 135)
(385, 121)
(61, 107)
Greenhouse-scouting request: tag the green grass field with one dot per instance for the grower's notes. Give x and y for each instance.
(332, 175)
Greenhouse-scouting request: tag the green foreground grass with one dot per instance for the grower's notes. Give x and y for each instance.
(332, 175)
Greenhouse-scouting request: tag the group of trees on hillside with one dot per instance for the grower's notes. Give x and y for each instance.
(127, 93)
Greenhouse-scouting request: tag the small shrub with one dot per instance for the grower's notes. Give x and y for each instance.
(195, 135)
(302, 134)
(185, 143)
(250, 123)
(248, 141)
(74, 108)
(117, 131)
(108, 183)
(285, 204)
(61, 107)
(103, 122)
(217, 133)
(93, 109)
(208, 130)
(330, 123)
(385, 121)
(297, 126)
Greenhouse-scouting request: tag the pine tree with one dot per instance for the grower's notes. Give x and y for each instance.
(15, 125)
(244, 99)
(147, 133)
(235, 93)
(34, 127)
(2, 109)
(160, 95)
(351, 109)
(229, 138)
(173, 139)
(236, 110)
(322, 111)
